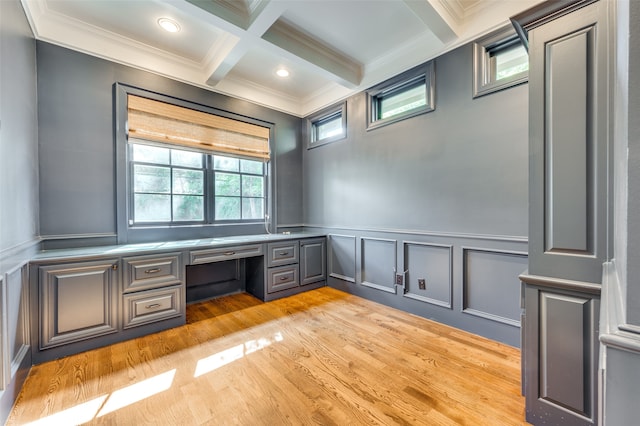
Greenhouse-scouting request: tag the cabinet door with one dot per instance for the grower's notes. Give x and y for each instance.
(313, 260)
(77, 301)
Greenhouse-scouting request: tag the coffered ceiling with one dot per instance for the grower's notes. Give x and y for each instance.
(331, 48)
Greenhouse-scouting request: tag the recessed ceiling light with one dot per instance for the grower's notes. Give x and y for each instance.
(169, 25)
(281, 72)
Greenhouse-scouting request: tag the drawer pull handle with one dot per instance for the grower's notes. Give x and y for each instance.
(284, 253)
(152, 271)
(153, 305)
(284, 278)
(229, 253)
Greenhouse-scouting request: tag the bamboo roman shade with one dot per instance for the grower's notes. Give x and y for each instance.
(162, 122)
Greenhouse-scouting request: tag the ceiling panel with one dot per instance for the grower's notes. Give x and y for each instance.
(361, 30)
(259, 66)
(138, 20)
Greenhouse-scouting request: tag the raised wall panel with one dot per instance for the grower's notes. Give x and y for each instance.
(560, 344)
(431, 263)
(568, 125)
(491, 287)
(378, 264)
(342, 257)
(569, 143)
(17, 317)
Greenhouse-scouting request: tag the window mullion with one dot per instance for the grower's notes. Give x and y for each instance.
(210, 193)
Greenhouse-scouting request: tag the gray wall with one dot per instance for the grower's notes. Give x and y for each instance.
(462, 168)
(442, 195)
(18, 194)
(18, 130)
(77, 154)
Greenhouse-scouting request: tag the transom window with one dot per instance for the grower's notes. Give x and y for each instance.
(406, 95)
(328, 125)
(176, 186)
(500, 61)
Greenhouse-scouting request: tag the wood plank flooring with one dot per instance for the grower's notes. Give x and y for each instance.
(322, 357)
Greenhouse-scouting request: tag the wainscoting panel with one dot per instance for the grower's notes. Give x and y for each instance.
(342, 257)
(491, 288)
(17, 318)
(378, 263)
(429, 275)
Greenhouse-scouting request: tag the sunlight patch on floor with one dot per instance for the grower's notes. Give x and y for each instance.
(109, 403)
(137, 392)
(81, 413)
(220, 359)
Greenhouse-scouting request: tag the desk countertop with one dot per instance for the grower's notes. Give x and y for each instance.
(85, 253)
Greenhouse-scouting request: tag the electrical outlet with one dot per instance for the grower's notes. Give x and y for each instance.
(399, 280)
(422, 284)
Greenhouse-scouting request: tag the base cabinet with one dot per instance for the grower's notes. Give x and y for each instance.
(86, 303)
(89, 304)
(78, 301)
(290, 267)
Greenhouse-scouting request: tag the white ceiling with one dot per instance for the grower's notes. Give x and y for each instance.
(332, 48)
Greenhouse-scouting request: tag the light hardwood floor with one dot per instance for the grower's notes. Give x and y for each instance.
(322, 357)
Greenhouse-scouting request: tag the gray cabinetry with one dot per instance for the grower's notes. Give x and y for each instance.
(568, 202)
(225, 253)
(291, 267)
(78, 301)
(282, 266)
(81, 305)
(282, 278)
(313, 263)
(285, 253)
(153, 289)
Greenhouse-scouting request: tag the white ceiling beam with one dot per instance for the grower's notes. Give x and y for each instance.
(228, 56)
(437, 18)
(303, 48)
(265, 31)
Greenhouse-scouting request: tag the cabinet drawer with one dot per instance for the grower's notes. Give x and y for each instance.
(152, 305)
(146, 272)
(285, 253)
(282, 278)
(225, 253)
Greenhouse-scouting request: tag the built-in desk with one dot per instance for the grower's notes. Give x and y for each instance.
(94, 296)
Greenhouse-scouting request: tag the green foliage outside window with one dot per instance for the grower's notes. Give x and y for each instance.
(170, 185)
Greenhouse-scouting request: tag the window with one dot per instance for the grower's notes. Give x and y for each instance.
(238, 188)
(328, 125)
(167, 185)
(174, 186)
(500, 61)
(407, 95)
(184, 168)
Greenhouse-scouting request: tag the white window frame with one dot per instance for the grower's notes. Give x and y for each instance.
(404, 81)
(320, 117)
(484, 80)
